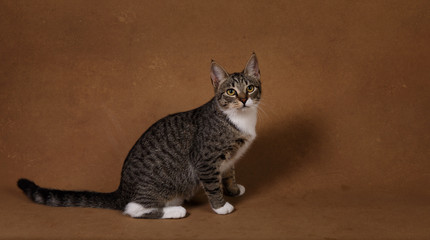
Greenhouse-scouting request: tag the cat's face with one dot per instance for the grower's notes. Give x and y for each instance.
(237, 91)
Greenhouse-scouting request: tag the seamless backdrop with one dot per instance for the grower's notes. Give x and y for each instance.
(343, 135)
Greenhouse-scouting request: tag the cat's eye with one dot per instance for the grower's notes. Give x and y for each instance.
(230, 92)
(250, 88)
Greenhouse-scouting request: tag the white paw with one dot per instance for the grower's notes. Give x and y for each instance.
(136, 210)
(226, 209)
(174, 212)
(242, 189)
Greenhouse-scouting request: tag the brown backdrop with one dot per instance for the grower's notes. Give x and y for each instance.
(344, 133)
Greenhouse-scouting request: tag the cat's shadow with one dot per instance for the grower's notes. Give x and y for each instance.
(279, 153)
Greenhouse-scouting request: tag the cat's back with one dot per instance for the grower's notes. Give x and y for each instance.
(178, 134)
(173, 131)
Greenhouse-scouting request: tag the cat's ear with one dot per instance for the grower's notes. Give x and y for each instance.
(252, 68)
(218, 74)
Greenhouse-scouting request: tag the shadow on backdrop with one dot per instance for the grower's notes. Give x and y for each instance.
(280, 153)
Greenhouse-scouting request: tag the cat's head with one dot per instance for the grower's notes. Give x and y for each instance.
(237, 91)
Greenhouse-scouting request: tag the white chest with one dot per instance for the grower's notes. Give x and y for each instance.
(245, 121)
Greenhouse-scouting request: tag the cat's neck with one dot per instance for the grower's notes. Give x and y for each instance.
(244, 119)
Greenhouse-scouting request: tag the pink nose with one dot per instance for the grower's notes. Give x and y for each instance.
(243, 100)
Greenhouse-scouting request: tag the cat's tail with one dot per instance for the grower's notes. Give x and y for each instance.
(59, 198)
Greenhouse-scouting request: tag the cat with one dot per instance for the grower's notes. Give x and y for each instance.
(180, 153)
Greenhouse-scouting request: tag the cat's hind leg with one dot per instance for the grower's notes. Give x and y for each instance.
(137, 210)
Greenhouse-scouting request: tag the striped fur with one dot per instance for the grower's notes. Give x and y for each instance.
(178, 154)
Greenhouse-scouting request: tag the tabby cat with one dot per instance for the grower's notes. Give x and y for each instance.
(178, 154)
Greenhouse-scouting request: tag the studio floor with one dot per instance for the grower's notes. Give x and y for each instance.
(342, 150)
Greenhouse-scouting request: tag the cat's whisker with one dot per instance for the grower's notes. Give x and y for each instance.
(268, 111)
(260, 109)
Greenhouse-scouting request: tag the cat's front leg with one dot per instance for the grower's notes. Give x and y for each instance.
(230, 187)
(210, 177)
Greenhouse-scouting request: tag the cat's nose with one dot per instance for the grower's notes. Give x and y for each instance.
(243, 100)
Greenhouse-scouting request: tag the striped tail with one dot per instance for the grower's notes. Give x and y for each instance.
(59, 198)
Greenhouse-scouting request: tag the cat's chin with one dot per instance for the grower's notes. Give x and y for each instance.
(244, 108)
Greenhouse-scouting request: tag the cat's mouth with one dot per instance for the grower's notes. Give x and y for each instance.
(245, 107)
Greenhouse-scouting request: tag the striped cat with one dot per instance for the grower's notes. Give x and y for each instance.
(178, 154)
